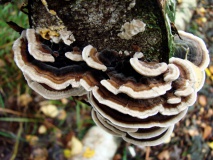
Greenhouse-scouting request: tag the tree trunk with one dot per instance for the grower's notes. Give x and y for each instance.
(98, 23)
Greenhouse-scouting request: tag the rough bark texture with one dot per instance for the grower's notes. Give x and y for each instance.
(98, 22)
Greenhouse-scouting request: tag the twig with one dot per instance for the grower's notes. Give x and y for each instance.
(4, 110)
(12, 112)
(148, 149)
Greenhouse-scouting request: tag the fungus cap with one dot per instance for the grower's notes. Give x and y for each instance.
(144, 139)
(152, 141)
(49, 93)
(148, 133)
(97, 122)
(199, 76)
(195, 49)
(172, 73)
(41, 72)
(117, 118)
(174, 100)
(149, 92)
(37, 49)
(90, 56)
(74, 56)
(149, 69)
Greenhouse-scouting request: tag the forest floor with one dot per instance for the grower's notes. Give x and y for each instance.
(27, 130)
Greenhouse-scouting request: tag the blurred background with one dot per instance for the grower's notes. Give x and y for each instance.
(38, 129)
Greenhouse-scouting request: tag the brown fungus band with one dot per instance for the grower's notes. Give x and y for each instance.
(132, 95)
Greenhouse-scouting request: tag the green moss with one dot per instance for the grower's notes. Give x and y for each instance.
(169, 14)
(10, 12)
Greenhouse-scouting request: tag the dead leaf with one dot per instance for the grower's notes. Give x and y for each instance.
(58, 133)
(201, 11)
(210, 113)
(211, 69)
(62, 115)
(24, 99)
(117, 157)
(50, 110)
(75, 146)
(42, 129)
(32, 140)
(201, 20)
(211, 145)
(193, 132)
(164, 155)
(187, 122)
(64, 101)
(202, 100)
(207, 131)
(39, 154)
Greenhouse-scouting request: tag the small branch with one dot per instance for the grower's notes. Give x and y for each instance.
(148, 149)
(11, 112)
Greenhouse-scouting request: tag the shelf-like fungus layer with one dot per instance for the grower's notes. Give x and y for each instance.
(133, 98)
(50, 93)
(192, 48)
(125, 120)
(57, 75)
(36, 49)
(144, 137)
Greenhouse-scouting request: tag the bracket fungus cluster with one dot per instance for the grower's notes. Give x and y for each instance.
(132, 96)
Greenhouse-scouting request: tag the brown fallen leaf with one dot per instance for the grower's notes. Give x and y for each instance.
(193, 132)
(211, 69)
(210, 113)
(117, 157)
(201, 11)
(62, 114)
(50, 110)
(24, 99)
(201, 20)
(39, 154)
(42, 129)
(75, 146)
(207, 131)
(32, 140)
(64, 101)
(164, 155)
(202, 100)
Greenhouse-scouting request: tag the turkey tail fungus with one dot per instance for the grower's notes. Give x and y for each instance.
(139, 78)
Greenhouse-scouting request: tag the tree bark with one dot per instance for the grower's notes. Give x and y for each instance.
(98, 23)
